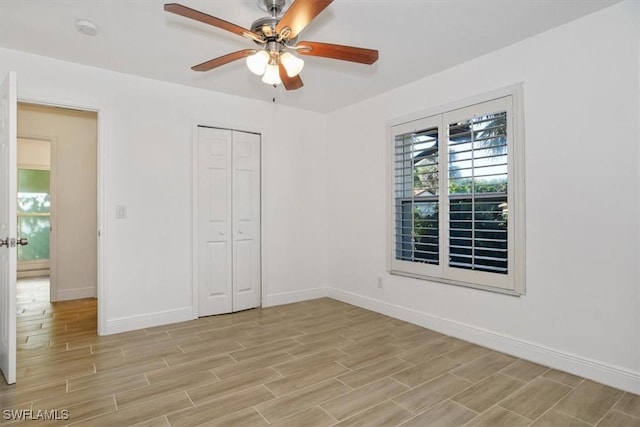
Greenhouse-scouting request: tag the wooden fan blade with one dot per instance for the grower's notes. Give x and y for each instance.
(221, 60)
(187, 12)
(290, 83)
(336, 51)
(299, 14)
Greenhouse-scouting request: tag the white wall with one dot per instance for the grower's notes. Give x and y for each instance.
(34, 154)
(581, 311)
(145, 131)
(74, 240)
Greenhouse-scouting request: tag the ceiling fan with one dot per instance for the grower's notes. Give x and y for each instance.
(277, 37)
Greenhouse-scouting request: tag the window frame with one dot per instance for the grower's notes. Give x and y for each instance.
(508, 99)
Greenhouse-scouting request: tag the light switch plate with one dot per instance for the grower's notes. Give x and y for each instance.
(121, 211)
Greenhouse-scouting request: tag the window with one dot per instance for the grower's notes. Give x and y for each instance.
(458, 196)
(33, 214)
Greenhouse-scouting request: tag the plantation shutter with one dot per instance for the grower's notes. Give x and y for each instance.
(478, 143)
(452, 200)
(416, 231)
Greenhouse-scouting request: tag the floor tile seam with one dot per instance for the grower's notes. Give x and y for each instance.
(372, 381)
(82, 402)
(128, 408)
(460, 362)
(89, 418)
(553, 406)
(409, 410)
(345, 367)
(529, 381)
(193, 404)
(573, 387)
(499, 403)
(181, 349)
(573, 416)
(625, 413)
(336, 421)
(569, 393)
(299, 358)
(406, 352)
(329, 398)
(243, 388)
(309, 386)
(476, 417)
(450, 373)
(167, 392)
(509, 410)
(477, 414)
(485, 377)
(392, 379)
(15, 393)
(462, 365)
(450, 400)
(28, 373)
(495, 403)
(115, 401)
(255, 408)
(361, 411)
(234, 392)
(611, 409)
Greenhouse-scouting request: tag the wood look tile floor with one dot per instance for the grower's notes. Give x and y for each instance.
(314, 363)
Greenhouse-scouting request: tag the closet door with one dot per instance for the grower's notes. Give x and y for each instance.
(214, 234)
(246, 220)
(228, 233)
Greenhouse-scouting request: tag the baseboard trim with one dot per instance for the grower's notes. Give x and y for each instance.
(131, 323)
(24, 274)
(595, 370)
(291, 297)
(79, 293)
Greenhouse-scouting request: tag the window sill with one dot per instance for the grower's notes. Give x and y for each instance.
(504, 291)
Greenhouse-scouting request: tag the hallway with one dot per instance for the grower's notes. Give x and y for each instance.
(41, 324)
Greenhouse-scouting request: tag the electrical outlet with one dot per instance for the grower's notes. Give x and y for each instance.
(379, 282)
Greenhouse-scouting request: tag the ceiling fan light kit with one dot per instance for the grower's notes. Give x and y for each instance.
(272, 75)
(292, 64)
(277, 36)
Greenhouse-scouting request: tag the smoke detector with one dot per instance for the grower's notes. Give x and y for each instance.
(87, 27)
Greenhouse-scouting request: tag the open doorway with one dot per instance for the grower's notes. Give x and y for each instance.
(34, 207)
(57, 203)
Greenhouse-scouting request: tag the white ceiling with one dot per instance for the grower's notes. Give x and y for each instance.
(416, 38)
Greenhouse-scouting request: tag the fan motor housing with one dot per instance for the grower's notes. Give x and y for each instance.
(266, 28)
(272, 5)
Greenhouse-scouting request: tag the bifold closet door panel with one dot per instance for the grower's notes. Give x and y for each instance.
(246, 220)
(215, 238)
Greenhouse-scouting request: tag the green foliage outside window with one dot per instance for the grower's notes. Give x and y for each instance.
(34, 213)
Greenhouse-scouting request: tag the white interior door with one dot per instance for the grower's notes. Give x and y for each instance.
(215, 250)
(228, 232)
(246, 220)
(8, 227)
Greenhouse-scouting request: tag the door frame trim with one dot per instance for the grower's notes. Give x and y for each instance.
(101, 192)
(194, 207)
